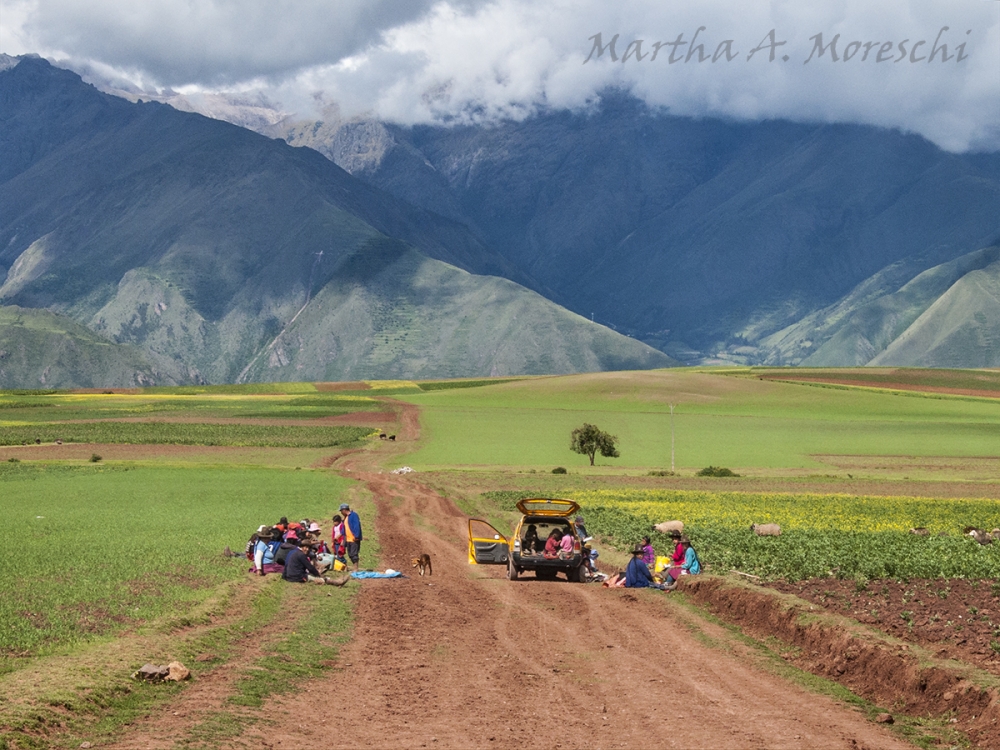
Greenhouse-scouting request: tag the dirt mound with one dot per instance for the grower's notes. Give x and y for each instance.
(880, 669)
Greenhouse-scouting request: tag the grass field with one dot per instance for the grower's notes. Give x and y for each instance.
(740, 422)
(107, 548)
(34, 408)
(116, 555)
(119, 561)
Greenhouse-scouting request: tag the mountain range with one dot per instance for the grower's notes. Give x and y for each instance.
(344, 247)
(705, 238)
(204, 252)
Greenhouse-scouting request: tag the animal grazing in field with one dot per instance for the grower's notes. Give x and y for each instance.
(920, 531)
(423, 563)
(392, 437)
(983, 537)
(765, 529)
(667, 526)
(381, 436)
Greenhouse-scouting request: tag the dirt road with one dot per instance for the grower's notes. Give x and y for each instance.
(465, 658)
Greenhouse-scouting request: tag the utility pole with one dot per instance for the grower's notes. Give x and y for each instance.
(671, 438)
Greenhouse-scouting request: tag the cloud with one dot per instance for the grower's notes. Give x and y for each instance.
(473, 61)
(208, 42)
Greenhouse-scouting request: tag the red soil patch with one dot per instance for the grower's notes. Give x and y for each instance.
(887, 674)
(954, 618)
(891, 385)
(356, 386)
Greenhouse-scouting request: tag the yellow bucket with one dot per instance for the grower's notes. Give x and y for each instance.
(661, 564)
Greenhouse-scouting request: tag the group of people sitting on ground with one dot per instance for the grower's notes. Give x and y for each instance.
(684, 561)
(299, 553)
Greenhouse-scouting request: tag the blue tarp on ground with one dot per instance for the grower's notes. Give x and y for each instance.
(376, 574)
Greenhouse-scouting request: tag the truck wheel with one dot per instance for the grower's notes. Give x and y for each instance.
(512, 572)
(579, 575)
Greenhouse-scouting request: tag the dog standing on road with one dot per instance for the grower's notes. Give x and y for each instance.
(423, 563)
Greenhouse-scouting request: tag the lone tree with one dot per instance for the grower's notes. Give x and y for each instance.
(590, 439)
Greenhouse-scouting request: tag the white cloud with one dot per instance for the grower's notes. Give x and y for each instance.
(470, 61)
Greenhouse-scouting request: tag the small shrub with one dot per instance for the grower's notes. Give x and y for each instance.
(716, 471)
(661, 473)
(94, 458)
(13, 460)
(559, 470)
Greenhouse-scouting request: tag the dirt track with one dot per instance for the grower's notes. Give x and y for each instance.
(466, 658)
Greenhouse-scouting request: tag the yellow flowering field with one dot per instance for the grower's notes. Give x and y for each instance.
(800, 512)
(822, 535)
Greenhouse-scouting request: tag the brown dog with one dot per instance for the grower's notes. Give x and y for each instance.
(423, 562)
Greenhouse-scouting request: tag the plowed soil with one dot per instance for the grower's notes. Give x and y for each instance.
(465, 658)
(954, 619)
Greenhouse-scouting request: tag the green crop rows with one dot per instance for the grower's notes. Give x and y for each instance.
(283, 436)
(102, 548)
(822, 535)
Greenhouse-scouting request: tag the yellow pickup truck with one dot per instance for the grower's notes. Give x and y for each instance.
(524, 550)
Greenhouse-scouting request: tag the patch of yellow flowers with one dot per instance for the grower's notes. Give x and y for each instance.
(798, 511)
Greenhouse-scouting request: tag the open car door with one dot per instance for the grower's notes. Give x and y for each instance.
(487, 546)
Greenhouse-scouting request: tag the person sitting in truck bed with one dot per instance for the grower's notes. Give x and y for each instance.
(531, 544)
(566, 546)
(552, 545)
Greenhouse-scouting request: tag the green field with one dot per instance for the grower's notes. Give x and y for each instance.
(118, 558)
(117, 562)
(106, 548)
(719, 419)
(26, 407)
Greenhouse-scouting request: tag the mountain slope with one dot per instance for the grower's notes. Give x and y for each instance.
(39, 349)
(962, 323)
(865, 322)
(191, 238)
(408, 316)
(704, 233)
